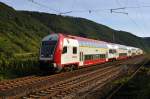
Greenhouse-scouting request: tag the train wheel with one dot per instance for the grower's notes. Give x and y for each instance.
(69, 68)
(75, 67)
(58, 70)
(72, 68)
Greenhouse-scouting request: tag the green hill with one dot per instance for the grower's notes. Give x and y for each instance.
(147, 40)
(21, 31)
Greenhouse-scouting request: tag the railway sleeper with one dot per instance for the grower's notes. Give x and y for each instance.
(62, 90)
(81, 83)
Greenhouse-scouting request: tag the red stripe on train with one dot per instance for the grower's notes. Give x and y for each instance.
(92, 62)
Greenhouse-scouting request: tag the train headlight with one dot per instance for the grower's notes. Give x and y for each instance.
(54, 64)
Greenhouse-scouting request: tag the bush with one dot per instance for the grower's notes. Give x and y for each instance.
(18, 66)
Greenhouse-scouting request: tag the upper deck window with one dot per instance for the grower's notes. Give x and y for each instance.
(64, 49)
(74, 50)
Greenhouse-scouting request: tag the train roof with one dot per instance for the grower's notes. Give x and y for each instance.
(87, 41)
(50, 37)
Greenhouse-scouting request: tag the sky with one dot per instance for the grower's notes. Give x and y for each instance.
(136, 21)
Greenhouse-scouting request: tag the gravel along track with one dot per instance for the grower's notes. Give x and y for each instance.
(5, 85)
(75, 84)
(12, 85)
(34, 84)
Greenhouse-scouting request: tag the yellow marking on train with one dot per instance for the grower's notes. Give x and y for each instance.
(94, 48)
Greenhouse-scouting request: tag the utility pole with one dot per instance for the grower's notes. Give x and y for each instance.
(114, 37)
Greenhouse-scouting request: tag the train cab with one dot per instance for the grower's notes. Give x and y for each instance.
(58, 51)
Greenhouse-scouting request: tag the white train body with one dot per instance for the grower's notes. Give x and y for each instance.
(59, 51)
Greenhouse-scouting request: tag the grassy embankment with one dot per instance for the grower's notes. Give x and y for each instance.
(136, 88)
(18, 66)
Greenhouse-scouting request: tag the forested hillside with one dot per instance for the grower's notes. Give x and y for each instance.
(147, 40)
(87, 28)
(21, 31)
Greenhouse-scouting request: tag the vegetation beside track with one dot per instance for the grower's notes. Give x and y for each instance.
(18, 65)
(136, 88)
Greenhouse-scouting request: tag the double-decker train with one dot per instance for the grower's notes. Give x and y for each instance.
(59, 51)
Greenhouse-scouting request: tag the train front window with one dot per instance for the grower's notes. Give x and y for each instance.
(64, 50)
(48, 48)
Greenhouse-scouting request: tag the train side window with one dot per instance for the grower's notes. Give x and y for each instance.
(110, 51)
(74, 50)
(80, 56)
(64, 49)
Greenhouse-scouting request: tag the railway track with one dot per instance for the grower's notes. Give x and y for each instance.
(10, 85)
(33, 84)
(136, 70)
(4, 85)
(69, 86)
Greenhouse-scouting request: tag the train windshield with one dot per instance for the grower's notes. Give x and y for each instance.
(47, 48)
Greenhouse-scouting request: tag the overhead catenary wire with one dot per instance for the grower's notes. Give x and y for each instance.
(59, 12)
(97, 10)
(117, 2)
(42, 5)
(134, 22)
(114, 10)
(118, 12)
(130, 18)
(142, 17)
(121, 5)
(121, 9)
(66, 12)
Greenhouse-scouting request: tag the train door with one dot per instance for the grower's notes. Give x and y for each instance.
(81, 58)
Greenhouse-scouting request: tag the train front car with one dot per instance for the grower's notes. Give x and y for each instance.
(59, 52)
(50, 52)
